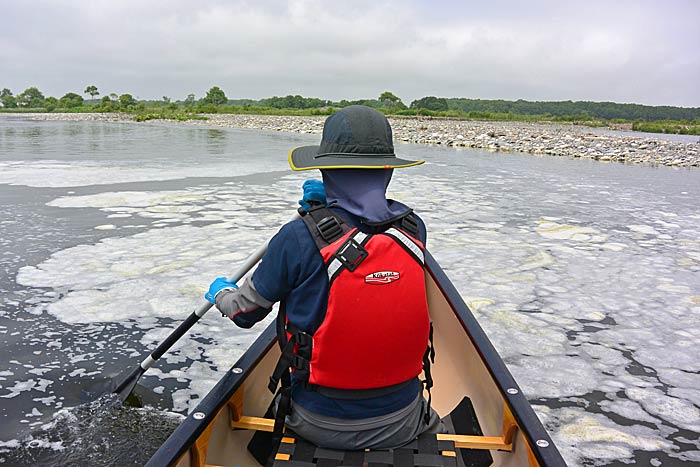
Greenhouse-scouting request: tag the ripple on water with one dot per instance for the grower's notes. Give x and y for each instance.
(104, 433)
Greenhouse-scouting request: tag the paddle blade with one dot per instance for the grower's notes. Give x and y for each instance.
(126, 382)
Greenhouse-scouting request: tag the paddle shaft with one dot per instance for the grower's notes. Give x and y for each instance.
(203, 307)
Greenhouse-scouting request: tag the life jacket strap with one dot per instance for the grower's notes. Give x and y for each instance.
(324, 225)
(296, 354)
(284, 408)
(428, 358)
(409, 223)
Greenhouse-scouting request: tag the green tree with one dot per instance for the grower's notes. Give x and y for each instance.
(31, 98)
(7, 100)
(50, 103)
(391, 101)
(189, 100)
(92, 90)
(166, 100)
(430, 103)
(70, 101)
(215, 96)
(106, 104)
(126, 101)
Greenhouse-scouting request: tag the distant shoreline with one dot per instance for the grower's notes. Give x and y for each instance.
(535, 138)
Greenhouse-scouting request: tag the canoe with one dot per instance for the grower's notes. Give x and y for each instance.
(467, 370)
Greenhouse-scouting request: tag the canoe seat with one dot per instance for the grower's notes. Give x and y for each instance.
(426, 451)
(469, 448)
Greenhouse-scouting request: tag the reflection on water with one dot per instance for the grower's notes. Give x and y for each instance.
(216, 141)
(584, 275)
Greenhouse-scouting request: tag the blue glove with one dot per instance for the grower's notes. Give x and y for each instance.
(313, 191)
(219, 284)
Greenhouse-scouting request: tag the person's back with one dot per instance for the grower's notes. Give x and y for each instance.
(353, 322)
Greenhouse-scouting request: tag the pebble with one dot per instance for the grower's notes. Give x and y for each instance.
(535, 138)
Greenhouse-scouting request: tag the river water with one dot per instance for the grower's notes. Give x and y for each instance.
(586, 276)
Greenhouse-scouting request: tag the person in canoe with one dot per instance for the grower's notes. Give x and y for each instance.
(353, 321)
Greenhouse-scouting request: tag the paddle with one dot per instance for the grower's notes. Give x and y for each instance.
(126, 382)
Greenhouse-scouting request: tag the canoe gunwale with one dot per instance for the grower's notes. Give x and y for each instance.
(532, 429)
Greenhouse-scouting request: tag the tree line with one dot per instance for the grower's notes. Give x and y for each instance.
(602, 110)
(215, 100)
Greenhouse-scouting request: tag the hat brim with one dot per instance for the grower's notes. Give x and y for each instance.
(307, 158)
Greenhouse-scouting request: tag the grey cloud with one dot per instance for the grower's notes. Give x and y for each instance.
(623, 51)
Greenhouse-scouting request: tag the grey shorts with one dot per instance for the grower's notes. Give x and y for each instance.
(388, 431)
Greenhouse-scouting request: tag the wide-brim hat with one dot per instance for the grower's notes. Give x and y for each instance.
(355, 137)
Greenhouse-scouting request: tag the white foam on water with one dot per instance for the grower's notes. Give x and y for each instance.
(19, 387)
(576, 233)
(557, 376)
(53, 173)
(680, 412)
(643, 229)
(594, 436)
(688, 456)
(529, 286)
(46, 400)
(130, 199)
(628, 409)
(163, 273)
(10, 444)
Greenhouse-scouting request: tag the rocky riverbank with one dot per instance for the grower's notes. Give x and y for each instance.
(535, 138)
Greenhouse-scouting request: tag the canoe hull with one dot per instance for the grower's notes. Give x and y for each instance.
(466, 364)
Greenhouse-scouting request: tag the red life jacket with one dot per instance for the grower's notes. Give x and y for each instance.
(376, 328)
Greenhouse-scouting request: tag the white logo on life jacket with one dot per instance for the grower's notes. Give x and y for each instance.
(382, 277)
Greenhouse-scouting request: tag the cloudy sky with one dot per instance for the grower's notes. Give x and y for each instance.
(639, 51)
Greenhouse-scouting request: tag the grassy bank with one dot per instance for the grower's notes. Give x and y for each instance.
(143, 112)
(668, 126)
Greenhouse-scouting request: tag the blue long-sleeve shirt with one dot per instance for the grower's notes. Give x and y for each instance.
(293, 270)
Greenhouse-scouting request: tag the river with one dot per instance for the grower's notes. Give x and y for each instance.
(585, 275)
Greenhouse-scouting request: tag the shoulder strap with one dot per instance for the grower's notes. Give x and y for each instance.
(324, 225)
(409, 224)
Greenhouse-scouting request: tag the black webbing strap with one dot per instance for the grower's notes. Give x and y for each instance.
(296, 354)
(409, 224)
(324, 225)
(284, 408)
(281, 372)
(428, 358)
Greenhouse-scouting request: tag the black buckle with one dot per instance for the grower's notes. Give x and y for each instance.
(302, 368)
(351, 254)
(304, 344)
(300, 363)
(330, 229)
(303, 338)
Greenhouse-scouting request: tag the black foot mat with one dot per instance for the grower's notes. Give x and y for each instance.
(462, 420)
(260, 445)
